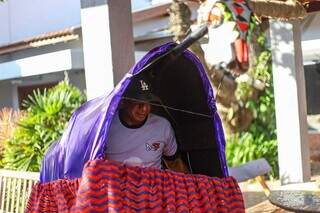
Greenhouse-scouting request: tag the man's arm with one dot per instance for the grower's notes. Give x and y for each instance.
(171, 155)
(175, 163)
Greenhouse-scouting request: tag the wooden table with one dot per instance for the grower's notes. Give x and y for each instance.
(296, 200)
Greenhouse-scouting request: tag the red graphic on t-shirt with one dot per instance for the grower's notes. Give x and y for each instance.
(152, 147)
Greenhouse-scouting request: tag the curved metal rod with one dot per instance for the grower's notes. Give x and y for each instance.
(177, 50)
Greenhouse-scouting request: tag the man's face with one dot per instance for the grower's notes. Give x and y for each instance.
(136, 112)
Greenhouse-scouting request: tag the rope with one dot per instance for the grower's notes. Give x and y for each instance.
(220, 84)
(168, 107)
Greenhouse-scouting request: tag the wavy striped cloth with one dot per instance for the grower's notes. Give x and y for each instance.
(108, 186)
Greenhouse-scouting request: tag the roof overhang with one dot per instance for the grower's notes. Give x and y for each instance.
(62, 60)
(157, 10)
(65, 35)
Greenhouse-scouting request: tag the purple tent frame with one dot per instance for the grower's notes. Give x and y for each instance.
(86, 134)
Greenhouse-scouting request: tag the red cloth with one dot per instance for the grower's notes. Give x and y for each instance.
(241, 48)
(112, 186)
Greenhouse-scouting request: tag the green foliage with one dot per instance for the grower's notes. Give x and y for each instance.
(227, 14)
(263, 67)
(47, 114)
(243, 92)
(260, 139)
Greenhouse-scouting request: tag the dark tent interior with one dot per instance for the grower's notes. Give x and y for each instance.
(184, 103)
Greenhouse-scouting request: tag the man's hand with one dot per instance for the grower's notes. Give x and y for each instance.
(176, 165)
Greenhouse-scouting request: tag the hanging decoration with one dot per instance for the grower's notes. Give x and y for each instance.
(212, 12)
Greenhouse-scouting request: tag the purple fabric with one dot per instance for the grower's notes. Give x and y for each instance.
(85, 137)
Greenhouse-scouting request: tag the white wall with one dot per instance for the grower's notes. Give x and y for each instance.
(152, 25)
(311, 27)
(4, 23)
(33, 17)
(36, 65)
(142, 4)
(310, 36)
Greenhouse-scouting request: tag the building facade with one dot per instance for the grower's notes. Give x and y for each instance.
(41, 40)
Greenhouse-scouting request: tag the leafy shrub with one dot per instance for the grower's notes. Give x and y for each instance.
(260, 139)
(8, 121)
(46, 116)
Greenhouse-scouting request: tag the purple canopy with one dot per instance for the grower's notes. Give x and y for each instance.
(181, 85)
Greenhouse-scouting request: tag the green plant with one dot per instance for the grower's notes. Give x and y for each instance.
(47, 114)
(259, 140)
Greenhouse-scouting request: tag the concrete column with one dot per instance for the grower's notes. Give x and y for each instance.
(108, 43)
(15, 97)
(290, 101)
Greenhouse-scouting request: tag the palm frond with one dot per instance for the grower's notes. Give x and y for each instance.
(47, 114)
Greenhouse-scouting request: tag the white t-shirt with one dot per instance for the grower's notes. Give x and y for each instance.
(143, 146)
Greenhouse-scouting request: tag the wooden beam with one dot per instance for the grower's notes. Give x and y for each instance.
(158, 10)
(313, 6)
(151, 12)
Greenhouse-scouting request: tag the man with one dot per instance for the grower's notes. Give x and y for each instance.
(138, 137)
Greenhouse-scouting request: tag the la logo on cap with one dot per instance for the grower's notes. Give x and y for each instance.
(144, 85)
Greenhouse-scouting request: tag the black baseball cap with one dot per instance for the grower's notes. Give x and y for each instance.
(140, 89)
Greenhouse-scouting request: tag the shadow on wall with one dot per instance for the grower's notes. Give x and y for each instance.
(281, 35)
